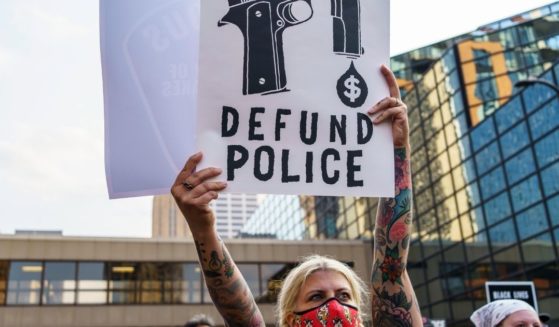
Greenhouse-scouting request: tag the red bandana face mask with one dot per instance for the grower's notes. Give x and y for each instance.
(331, 313)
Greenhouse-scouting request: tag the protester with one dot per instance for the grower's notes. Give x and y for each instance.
(544, 318)
(506, 313)
(320, 291)
(200, 320)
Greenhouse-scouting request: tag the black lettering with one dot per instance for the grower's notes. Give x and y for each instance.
(364, 138)
(227, 131)
(308, 166)
(352, 168)
(285, 178)
(258, 162)
(324, 166)
(339, 128)
(233, 163)
(279, 123)
(303, 128)
(253, 124)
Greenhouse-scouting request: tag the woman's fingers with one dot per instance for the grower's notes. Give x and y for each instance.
(390, 113)
(192, 187)
(386, 103)
(188, 168)
(201, 176)
(203, 189)
(390, 81)
(205, 198)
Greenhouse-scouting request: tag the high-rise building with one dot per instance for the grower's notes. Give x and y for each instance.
(232, 211)
(485, 162)
(167, 219)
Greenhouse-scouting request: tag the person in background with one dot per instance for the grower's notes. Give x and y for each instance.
(506, 313)
(321, 291)
(544, 318)
(200, 320)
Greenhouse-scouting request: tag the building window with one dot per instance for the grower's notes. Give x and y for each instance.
(191, 284)
(509, 114)
(547, 150)
(533, 221)
(525, 194)
(520, 166)
(92, 283)
(492, 183)
(122, 282)
(498, 208)
(550, 178)
(150, 278)
(3, 281)
(251, 274)
(488, 158)
(271, 280)
(24, 285)
(59, 283)
(545, 119)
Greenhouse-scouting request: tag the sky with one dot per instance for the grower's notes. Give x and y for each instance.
(51, 108)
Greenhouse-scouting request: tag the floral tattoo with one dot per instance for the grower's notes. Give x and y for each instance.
(392, 301)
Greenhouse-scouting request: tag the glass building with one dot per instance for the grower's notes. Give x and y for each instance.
(485, 162)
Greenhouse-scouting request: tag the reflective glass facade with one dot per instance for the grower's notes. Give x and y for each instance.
(485, 162)
(48, 283)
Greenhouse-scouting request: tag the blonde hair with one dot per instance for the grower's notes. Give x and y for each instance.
(298, 276)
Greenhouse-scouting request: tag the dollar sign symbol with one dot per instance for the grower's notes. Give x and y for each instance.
(353, 91)
(352, 88)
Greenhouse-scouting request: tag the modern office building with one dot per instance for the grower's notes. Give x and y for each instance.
(232, 211)
(485, 162)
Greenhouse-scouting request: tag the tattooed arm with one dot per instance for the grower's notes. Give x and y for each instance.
(227, 286)
(393, 298)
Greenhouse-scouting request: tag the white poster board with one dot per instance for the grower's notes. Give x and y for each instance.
(149, 52)
(284, 87)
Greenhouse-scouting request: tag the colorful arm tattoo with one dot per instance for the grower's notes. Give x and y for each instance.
(226, 285)
(393, 299)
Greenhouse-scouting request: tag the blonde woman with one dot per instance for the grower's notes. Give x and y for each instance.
(320, 291)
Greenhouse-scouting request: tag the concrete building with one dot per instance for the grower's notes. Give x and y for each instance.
(110, 282)
(167, 220)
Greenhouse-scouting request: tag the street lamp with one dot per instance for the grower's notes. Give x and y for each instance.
(533, 80)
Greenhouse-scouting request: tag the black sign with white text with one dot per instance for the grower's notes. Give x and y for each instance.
(524, 291)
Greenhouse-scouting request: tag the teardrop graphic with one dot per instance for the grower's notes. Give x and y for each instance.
(352, 89)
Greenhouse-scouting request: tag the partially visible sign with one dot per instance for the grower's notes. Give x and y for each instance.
(524, 291)
(438, 323)
(149, 54)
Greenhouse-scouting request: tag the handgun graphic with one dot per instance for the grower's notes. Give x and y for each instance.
(346, 15)
(262, 23)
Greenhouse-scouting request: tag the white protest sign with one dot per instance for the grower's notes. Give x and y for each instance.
(149, 53)
(284, 87)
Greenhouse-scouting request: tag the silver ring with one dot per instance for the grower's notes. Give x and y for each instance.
(187, 185)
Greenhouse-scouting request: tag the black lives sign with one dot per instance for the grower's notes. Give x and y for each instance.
(512, 290)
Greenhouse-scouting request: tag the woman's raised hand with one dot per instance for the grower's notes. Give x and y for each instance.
(193, 192)
(394, 109)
